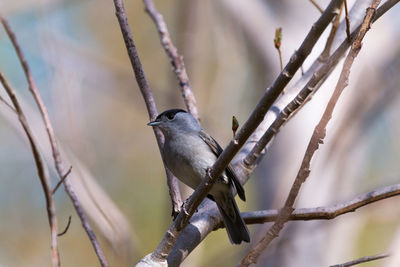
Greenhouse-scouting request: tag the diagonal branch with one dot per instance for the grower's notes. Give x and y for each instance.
(316, 6)
(304, 95)
(167, 243)
(55, 150)
(316, 139)
(61, 180)
(7, 104)
(148, 98)
(328, 45)
(362, 260)
(176, 59)
(41, 169)
(204, 221)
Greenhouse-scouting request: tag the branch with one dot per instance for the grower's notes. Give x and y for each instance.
(316, 139)
(347, 20)
(325, 53)
(56, 152)
(8, 105)
(187, 93)
(362, 260)
(66, 227)
(189, 207)
(174, 193)
(61, 180)
(324, 213)
(41, 169)
(294, 106)
(176, 59)
(147, 96)
(303, 96)
(317, 6)
(204, 221)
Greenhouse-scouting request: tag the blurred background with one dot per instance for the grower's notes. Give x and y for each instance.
(79, 62)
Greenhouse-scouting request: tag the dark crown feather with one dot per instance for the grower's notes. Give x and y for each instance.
(170, 112)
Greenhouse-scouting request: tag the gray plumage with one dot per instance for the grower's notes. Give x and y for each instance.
(188, 153)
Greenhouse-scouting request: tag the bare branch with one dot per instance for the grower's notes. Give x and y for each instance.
(174, 193)
(316, 139)
(293, 107)
(326, 52)
(203, 222)
(362, 260)
(303, 96)
(347, 20)
(66, 227)
(176, 59)
(7, 104)
(41, 169)
(147, 96)
(317, 6)
(189, 207)
(61, 180)
(56, 153)
(324, 213)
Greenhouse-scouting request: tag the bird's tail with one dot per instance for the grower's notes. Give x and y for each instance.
(235, 226)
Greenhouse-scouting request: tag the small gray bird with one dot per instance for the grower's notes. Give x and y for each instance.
(189, 152)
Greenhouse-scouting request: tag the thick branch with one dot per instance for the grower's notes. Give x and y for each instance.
(54, 147)
(176, 59)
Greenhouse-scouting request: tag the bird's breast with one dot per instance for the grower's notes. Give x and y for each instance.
(188, 158)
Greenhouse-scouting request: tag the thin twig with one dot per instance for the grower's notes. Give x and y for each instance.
(316, 139)
(317, 6)
(41, 169)
(7, 104)
(326, 52)
(347, 20)
(324, 213)
(66, 227)
(362, 260)
(56, 153)
(176, 59)
(147, 96)
(61, 180)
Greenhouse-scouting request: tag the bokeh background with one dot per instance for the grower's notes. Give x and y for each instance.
(79, 62)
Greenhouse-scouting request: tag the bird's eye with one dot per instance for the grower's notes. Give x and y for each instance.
(170, 116)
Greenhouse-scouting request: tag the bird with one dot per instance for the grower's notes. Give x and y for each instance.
(188, 153)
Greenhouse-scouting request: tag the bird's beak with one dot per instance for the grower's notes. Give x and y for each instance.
(154, 123)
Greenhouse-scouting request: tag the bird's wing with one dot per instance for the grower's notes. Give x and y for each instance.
(217, 150)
